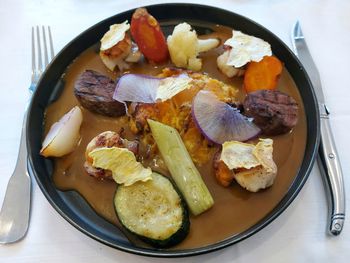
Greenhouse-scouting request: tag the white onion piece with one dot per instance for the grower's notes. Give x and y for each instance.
(148, 89)
(219, 122)
(63, 135)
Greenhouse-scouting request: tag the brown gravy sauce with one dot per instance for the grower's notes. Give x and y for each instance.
(235, 209)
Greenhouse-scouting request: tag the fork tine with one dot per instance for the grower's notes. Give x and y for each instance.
(40, 63)
(46, 61)
(40, 40)
(51, 43)
(33, 55)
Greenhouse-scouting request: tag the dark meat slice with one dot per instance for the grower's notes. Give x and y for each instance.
(273, 112)
(95, 93)
(106, 139)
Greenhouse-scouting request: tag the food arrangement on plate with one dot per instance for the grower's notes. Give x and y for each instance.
(167, 135)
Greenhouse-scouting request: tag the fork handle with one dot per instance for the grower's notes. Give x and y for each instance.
(331, 171)
(15, 211)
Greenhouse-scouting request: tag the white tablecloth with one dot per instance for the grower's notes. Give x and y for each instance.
(298, 235)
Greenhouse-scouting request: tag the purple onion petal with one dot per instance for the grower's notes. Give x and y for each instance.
(136, 88)
(139, 88)
(219, 122)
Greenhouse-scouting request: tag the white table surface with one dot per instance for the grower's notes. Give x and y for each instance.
(298, 235)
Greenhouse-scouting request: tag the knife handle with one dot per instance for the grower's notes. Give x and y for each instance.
(333, 176)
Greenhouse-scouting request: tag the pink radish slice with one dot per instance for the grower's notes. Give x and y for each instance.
(220, 122)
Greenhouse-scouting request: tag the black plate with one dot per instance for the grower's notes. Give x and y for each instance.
(73, 208)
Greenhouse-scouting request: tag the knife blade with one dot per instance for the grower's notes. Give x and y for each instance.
(328, 159)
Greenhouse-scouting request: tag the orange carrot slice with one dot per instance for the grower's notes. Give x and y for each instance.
(148, 36)
(263, 74)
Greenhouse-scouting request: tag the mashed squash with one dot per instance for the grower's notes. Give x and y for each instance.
(176, 112)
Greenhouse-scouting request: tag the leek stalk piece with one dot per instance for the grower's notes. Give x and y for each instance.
(181, 167)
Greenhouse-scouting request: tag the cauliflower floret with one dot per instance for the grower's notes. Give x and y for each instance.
(184, 47)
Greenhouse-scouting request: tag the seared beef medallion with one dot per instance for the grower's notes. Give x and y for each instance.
(274, 112)
(95, 93)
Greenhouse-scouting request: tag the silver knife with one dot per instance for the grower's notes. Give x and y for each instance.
(328, 159)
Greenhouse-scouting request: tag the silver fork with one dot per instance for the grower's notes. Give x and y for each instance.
(15, 211)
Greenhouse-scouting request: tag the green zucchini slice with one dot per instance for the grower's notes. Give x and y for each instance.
(153, 210)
